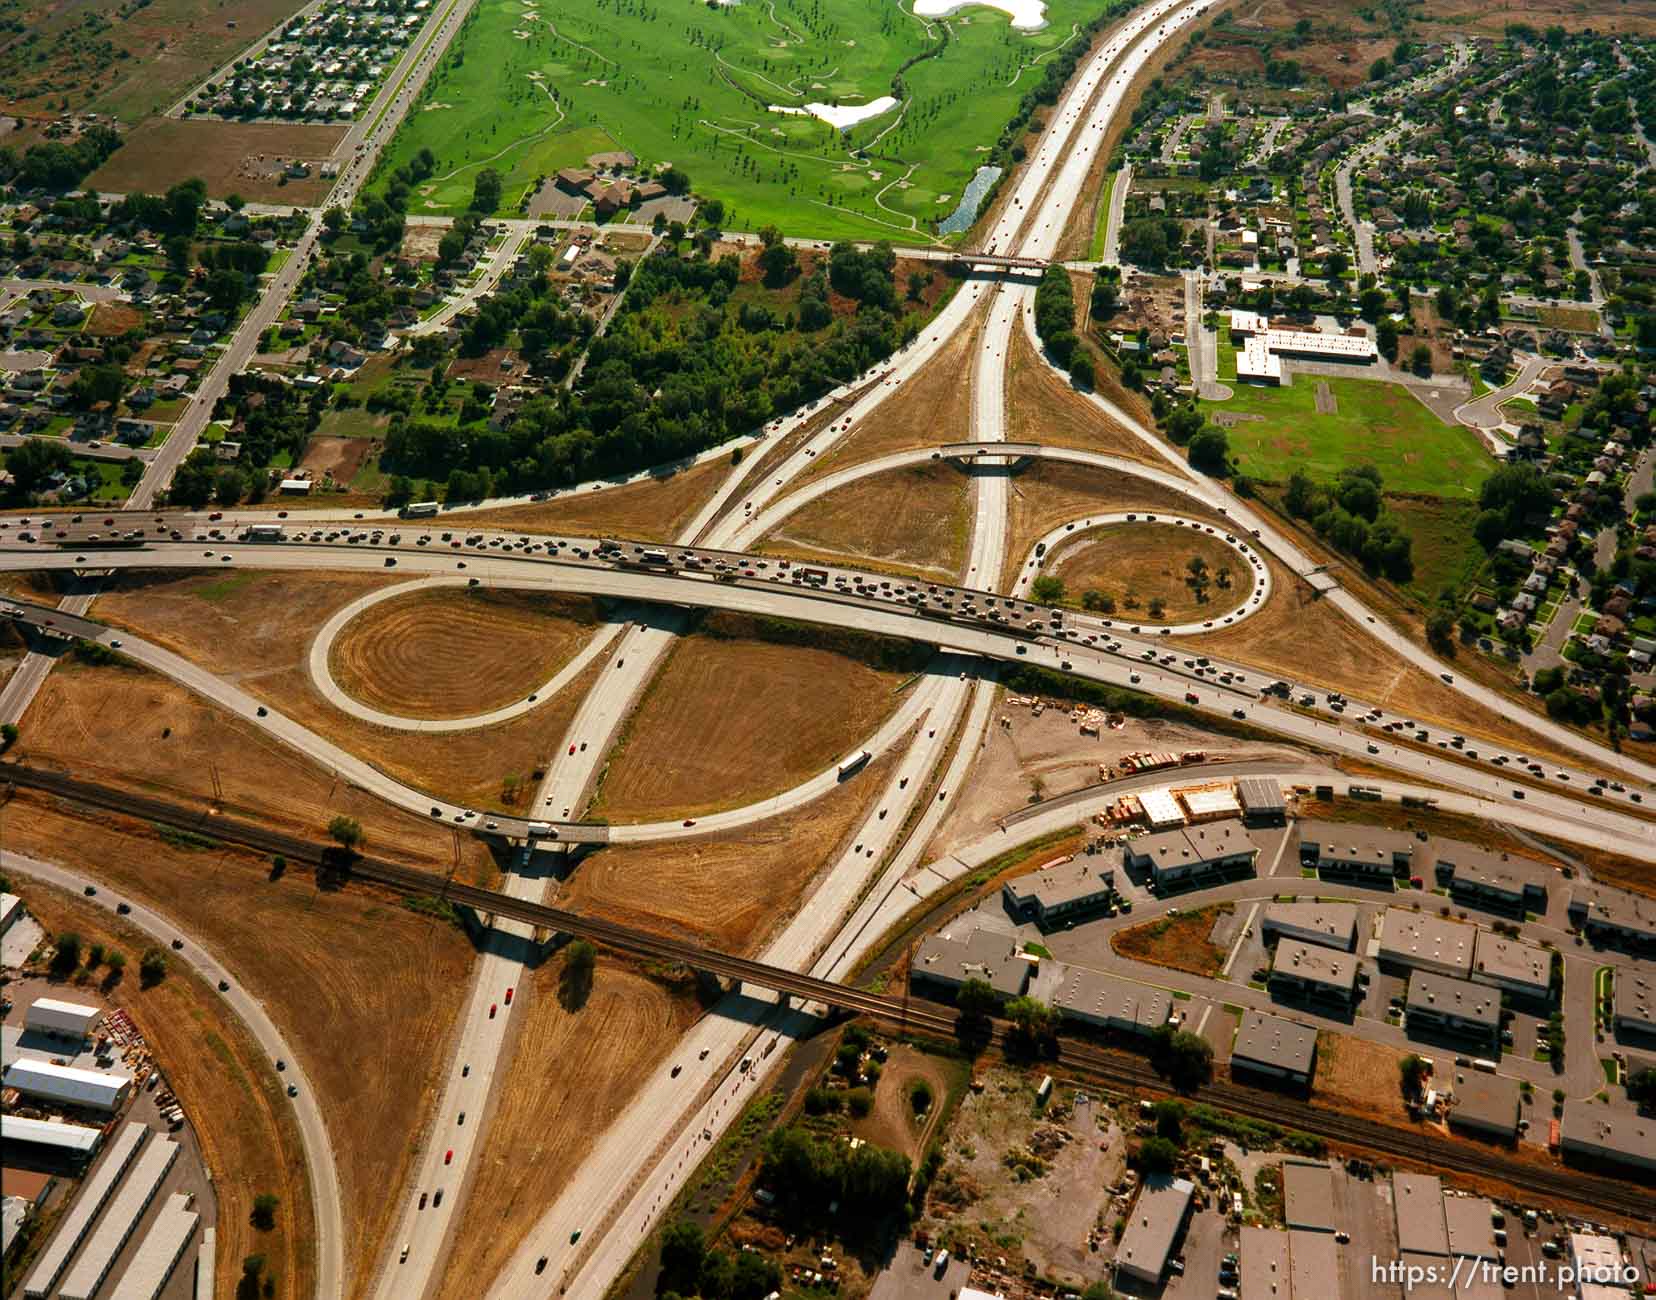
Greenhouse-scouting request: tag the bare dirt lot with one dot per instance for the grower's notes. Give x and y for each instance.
(333, 460)
(450, 652)
(1358, 1077)
(545, 1120)
(357, 982)
(730, 891)
(1138, 563)
(895, 1123)
(232, 157)
(1180, 942)
(910, 521)
(233, 1098)
(742, 710)
(656, 510)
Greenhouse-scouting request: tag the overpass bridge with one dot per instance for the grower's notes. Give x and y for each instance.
(987, 450)
(971, 262)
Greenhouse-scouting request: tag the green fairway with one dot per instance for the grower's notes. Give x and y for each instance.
(1376, 423)
(527, 90)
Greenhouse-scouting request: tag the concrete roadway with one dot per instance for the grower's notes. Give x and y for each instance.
(313, 1128)
(1484, 412)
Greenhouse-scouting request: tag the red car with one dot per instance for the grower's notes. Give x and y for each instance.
(572, 749)
(449, 1158)
(508, 997)
(492, 1009)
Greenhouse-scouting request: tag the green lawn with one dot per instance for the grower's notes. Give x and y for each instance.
(1445, 552)
(1102, 228)
(1376, 423)
(692, 86)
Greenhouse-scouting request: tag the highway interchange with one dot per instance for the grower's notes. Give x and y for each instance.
(588, 1235)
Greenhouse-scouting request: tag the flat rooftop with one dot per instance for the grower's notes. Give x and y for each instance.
(1352, 842)
(1501, 871)
(1336, 921)
(1615, 907)
(1192, 845)
(1475, 1003)
(1157, 1216)
(1471, 1227)
(1265, 1270)
(1071, 882)
(1308, 1195)
(1310, 961)
(1316, 1265)
(1615, 1132)
(1418, 1202)
(1412, 937)
(1490, 1100)
(1269, 1040)
(1511, 960)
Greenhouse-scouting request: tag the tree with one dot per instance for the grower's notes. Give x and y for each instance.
(1034, 1025)
(1641, 1085)
(1081, 370)
(575, 979)
(859, 1101)
(67, 957)
(1157, 1155)
(247, 1286)
(334, 220)
(1336, 264)
(1182, 1058)
(346, 830)
(778, 262)
(264, 1211)
(152, 967)
(976, 998)
(1098, 602)
(1170, 1114)
(1210, 450)
(1421, 359)
(486, 191)
(1048, 589)
(1385, 338)
(34, 461)
(1157, 607)
(1411, 1072)
(1440, 627)
(683, 1248)
(235, 203)
(712, 213)
(96, 384)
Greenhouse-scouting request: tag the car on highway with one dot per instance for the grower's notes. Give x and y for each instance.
(492, 1009)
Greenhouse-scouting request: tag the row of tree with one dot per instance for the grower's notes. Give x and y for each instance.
(1350, 515)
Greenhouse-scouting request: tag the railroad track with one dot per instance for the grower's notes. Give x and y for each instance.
(1078, 1058)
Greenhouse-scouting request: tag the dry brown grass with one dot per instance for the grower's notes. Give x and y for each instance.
(245, 1126)
(730, 891)
(736, 715)
(655, 511)
(107, 725)
(361, 986)
(1047, 494)
(911, 521)
(1042, 407)
(1358, 1077)
(162, 151)
(1149, 563)
(1178, 942)
(455, 651)
(545, 1121)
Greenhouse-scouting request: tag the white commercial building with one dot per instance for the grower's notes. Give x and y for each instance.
(67, 1086)
(93, 1196)
(73, 1020)
(159, 1252)
(122, 1220)
(11, 911)
(1161, 809)
(79, 1140)
(205, 1258)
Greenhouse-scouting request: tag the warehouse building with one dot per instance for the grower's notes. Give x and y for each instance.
(159, 1252)
(1265, 1272)
(67, 1086)
(1417, 1200)
(1157, 1221)
(1208, 803)
(1315, 1265)
(1308, 1195)
(1333, 925)
(1439, 1005)
(1356, 852)
(1485, 1105)
(1198, 853)
(11, 911)
(122, 1220)
(1422, 941)
(1633, 996)
(1262, 802)
(1275, 1048)
(1524, 969)
(1496, 881)
(1594, 1256)
(49, 1141)
(1471, 1224)
(1614, 917)
(1103, 1001)
(1312, 973)
(1593, 1132)
(205, 1258)
(71, 1020)
(94, 1195)
(1161, 810)
(1060, 894)
(946, 963)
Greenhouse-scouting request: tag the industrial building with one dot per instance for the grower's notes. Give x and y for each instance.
(1059, 894)
(1633, 995)
(1161, 809)
(1274, 1047)
(67, 1086)
(1315, 1265)
(71, 1142)
(1359, 852)
(71, 1020)
(1208, 803)
(1103, 1001)
(159, 1252)
(11, 911)
(1480, 878)
(121, 1221)
(1598, 1133)
(1180, 857)
(1313, 973)
(1264, 1271)
(1157, 1220)
(1595, 1256)
(1262, 802)
(1513, 965)
(1614, 917)
(1470, 1221)
(1438, 1004)
(94, 1194)
(1422, 941)
(1417, 1200)
(1485, 1105)
(1308, 1195)
(205, 1258)
(986, 955)
(1333, 925)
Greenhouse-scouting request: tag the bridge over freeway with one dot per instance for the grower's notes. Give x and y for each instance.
(986, 450)
(997, 262)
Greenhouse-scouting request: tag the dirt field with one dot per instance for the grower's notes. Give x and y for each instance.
(357, 983)
(893, 1123)
(732, 891)
(1358, 1077)
(1042, 407)
(245, 1126)
(232, 157)
(544, 1121)
(911, 521)
(1178, 942)
(738, 713)
(337, 460)
(194, 617)
(450, 652)
(111, 319)
(1143, 563)
(654, 511)
(1047, 494)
